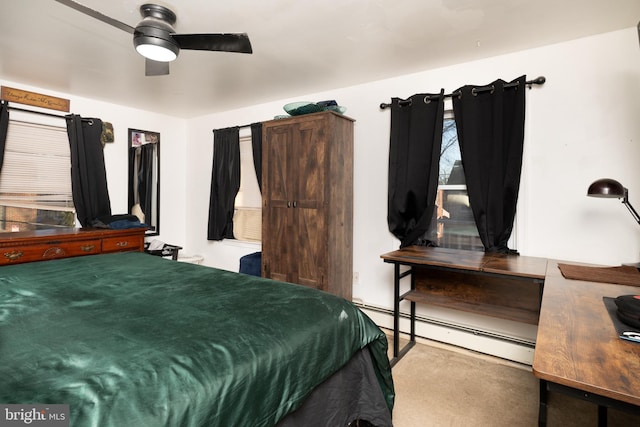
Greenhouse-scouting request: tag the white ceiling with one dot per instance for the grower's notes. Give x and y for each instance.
(300, 47)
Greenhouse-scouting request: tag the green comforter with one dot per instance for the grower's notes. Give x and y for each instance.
(131, 339)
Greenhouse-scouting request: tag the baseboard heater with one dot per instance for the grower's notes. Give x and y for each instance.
(449, 325)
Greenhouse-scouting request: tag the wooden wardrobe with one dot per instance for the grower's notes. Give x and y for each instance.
(307, 201)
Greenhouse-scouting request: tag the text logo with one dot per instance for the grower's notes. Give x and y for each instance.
(38, 415)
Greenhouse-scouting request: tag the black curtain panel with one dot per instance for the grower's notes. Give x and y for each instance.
(225, 183)
(144, 156)
(4, 125)
(490, 123)
(256, 146)
(414, 157)
(88, 174)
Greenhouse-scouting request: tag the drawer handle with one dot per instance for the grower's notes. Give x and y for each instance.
(122, 244)
(53, 253)
(87, 248)
(13, 255)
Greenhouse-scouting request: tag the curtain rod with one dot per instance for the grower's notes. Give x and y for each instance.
(239, 126)
(537, 81)
(24, 110)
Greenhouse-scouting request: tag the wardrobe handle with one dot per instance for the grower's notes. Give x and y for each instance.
(288, 204)
(295, 204)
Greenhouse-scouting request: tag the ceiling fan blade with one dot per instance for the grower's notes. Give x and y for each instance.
(219, 42)
(97, 15)
(155, 68)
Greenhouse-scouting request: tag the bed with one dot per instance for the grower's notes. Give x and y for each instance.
(131, 339)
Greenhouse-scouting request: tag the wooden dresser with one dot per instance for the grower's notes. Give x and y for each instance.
(41, 245)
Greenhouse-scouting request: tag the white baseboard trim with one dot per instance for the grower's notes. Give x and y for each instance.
(493, 344)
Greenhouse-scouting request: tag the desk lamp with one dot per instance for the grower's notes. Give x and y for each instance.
(610, 188)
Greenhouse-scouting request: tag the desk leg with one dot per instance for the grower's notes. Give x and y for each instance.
(397, 352)
(396, 310)
(602, 416)
(542, 408)
(412, 339)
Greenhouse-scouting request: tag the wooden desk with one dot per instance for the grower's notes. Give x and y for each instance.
(491, 284)
(578, 351)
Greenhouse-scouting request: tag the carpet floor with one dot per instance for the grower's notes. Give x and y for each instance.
(439, 385)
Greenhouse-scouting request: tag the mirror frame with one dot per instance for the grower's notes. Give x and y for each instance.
(137, 138)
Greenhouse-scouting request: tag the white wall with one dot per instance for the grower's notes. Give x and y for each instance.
(172, 153)
(581, 125)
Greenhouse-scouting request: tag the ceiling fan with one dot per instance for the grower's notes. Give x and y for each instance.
(155, 39)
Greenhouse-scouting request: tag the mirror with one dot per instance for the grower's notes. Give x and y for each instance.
(144, 178)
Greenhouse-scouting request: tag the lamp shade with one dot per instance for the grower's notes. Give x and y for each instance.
(606, 187)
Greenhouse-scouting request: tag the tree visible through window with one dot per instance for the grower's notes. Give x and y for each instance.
(454, 226)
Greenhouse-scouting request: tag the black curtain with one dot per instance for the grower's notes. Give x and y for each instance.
(490, 123)
(256, 146)
(4, 125)
(225, 182)
(88, 174)
(414, 157)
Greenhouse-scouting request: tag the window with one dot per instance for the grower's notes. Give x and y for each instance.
(35, 182)
(247, 218)
(454, 226)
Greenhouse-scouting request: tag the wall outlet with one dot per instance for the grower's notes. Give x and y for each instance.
(356, 277)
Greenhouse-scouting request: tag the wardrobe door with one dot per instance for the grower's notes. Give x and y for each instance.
(309, 177)
(277, 196)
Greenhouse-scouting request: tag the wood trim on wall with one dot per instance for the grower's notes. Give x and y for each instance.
(35, 99)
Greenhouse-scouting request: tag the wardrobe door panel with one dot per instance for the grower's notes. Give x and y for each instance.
(277, 193)
(311, 247)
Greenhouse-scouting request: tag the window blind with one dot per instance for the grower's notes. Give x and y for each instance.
(247, 219)
(36, 172)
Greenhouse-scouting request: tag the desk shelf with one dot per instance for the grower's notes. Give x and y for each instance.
(483, 308)
(502, 295)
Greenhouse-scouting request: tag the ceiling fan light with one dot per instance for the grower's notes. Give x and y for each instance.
(156, 49)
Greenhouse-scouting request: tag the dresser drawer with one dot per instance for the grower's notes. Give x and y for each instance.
(122, 244)
(40, 245)
(41, 252)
